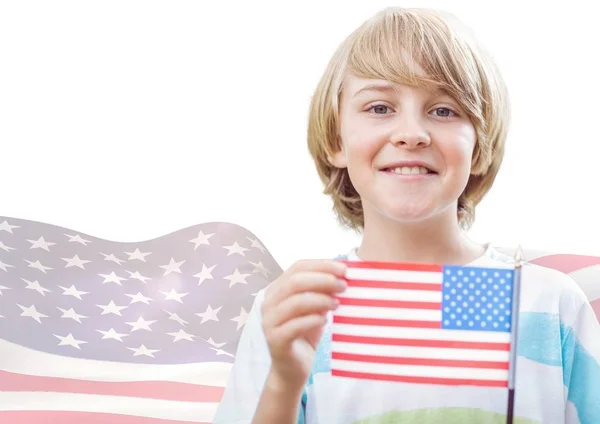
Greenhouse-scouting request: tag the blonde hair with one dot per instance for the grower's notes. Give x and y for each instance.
(451, 60)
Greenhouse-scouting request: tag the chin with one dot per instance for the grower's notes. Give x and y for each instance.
(412, 214)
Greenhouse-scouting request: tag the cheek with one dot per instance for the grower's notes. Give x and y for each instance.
(460, 152)
(361, 141)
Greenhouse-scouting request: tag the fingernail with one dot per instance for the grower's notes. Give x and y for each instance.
(335, 303)
(341, 284)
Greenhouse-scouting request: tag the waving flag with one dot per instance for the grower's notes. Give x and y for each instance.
(428, 324)
(103, 332)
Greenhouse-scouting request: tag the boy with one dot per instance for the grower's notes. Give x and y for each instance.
(407, 130)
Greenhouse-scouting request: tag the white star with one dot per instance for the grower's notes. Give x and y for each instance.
(241, 319)
(205, 274)
(72, 291)
(136, 275)
(3, 266)
(143, 350)
(5, 247)
(221, 352)
(210, 314)
(181, 335)
(32, 312)
(37, 265)
(71, 314)
(201, 239)
(236, 278)
(176, 318)
(77, 239)
(3, 288)
(173, 295)
(69, 340)
(36, 286)
(112, 258)
(112, 334)
(75, 261)
(41, 244)
(112, 278)
(138, 255)
(172, 266)
(213, 343)
(235, 248)
(140, 324)
(5, 226)
(256, 243)
(260, 268)
(111, 308)
(139, 297)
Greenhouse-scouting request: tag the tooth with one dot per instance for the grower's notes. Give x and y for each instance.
(398, 170)
(405, 170)
(415, 170)
(423, 170)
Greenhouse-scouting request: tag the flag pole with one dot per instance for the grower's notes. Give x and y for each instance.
(516, 297)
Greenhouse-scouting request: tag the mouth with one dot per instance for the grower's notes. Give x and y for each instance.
(410, 170)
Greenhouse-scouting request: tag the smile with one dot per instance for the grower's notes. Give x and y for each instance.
(409, 170)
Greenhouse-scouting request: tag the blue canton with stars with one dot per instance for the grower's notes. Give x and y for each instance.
(477, 298)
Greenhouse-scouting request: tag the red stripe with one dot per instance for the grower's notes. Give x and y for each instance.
(420, 343)
(76, 417)
(386, 322)
(395, 266)
(454, 363)
(393, 285)
(381, 303)
(165, 390)
(420, 380)
(566, 263)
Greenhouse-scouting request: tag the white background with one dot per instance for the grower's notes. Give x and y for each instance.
(127, 120)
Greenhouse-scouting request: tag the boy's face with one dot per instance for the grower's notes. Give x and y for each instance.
(408, 150)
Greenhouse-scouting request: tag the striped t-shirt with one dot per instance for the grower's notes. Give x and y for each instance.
(557, 381)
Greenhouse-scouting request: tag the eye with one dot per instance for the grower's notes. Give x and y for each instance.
(444, 112)
(379, 109)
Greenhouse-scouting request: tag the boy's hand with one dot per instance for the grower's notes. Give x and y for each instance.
(294, 314)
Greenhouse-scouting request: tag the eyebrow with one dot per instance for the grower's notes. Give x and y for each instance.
(378, 87)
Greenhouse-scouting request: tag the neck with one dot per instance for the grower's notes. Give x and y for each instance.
(437, 240)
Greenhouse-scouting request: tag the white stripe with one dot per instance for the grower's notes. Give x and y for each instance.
(419, 371)
(394, 275)
(150, 408)
(389, 313)
(18, 359)
(392, 294)
(420, 333)
(420, 352)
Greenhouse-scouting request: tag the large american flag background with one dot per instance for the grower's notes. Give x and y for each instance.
(99, 331)
(106, 332)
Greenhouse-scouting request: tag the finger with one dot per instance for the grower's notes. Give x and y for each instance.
(296, 328)
(336, 268)
(306, 282)
(305, 303)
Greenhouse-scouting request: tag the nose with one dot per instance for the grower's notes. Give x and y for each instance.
(409, 133)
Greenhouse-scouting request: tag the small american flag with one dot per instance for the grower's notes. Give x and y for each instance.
(107, 332)
(424, 323)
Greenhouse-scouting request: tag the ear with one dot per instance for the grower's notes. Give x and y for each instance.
(338, 159)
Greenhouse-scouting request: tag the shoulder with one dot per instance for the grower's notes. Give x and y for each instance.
(544, 287)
